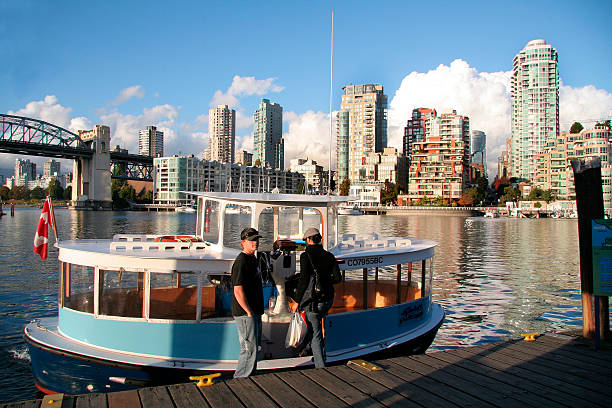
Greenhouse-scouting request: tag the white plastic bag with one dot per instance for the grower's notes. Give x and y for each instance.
(297, 331)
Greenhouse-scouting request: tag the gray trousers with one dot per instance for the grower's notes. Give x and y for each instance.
(249, 335)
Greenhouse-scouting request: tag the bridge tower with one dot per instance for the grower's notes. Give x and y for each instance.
(91, 178)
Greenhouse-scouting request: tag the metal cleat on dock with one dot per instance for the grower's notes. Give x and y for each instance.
(365, 364)
(530, 336)
(204, 380)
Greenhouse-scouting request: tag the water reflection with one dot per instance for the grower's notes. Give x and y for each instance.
(496, 278)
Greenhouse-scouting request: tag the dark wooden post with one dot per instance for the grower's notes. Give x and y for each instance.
(376, 275)
(589, 204)
(399, 283)
(365, 288)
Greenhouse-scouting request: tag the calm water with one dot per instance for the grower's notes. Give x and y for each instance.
(496, 278)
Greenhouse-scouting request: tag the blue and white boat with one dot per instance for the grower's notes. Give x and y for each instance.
(140, 310)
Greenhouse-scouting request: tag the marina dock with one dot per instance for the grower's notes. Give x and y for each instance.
(552, 371)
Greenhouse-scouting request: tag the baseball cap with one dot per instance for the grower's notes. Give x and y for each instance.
(249, 234)
(311, 232)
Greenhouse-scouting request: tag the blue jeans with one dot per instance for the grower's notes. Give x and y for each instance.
(314, 316)
(249, 335)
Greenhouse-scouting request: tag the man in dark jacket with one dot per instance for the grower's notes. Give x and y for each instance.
(315, 305)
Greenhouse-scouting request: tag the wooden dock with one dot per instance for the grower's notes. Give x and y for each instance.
(553, 371)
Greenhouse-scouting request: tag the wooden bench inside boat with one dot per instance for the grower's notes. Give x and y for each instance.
(349, 295)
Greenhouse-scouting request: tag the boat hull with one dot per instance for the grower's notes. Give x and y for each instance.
(58, 370)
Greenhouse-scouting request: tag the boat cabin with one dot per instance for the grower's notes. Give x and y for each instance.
(185, 280)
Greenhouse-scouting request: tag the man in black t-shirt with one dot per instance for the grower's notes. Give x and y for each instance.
(247, 302)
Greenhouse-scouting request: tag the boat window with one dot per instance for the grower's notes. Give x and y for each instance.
(289, 223)
(266, 229)
(237, 217)
(332, 227)
(210, 222)
(121, 293)
(77, 288)
(174, 296)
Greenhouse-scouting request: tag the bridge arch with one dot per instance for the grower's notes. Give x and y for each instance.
(35, 137)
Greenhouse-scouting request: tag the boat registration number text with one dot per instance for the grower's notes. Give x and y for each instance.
(365, 261)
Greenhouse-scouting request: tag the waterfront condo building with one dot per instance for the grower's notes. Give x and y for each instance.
(553, 166)
(441, 161)
(361, 128)
(535, 106)
(172, 175)
(388, 166)
(415, 128)
(151, 142)
(269, 147)
(312, 172)
(222, 134)
(244, 157)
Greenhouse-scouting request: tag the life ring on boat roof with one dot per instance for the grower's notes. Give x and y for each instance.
(177, 238)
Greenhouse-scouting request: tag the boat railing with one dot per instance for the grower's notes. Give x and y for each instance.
(159, 247)
(124, 243)
(375, 243)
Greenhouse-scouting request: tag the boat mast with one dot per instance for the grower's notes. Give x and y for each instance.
(331, 94)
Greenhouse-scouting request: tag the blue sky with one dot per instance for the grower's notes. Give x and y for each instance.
(137, 63)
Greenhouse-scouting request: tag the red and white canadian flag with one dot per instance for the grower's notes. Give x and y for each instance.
(41, 239)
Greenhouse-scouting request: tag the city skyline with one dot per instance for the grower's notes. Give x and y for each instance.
(97, 77)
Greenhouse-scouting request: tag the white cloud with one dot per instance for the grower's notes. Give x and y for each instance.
(124, 128)
(51, 111)
(244, 86)
(126, 94)
(586, 105)
(308, 136)
(485, 98)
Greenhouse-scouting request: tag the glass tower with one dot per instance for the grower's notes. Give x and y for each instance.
(535, 105)
(269, 147)
(479, 148)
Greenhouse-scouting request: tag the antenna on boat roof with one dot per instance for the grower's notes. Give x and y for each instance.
(331, 94)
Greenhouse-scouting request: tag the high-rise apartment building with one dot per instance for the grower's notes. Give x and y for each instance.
(361, 127)
(535, 105)
(441, 162)
(51, 168)
(269, 147)
(479, 149)
(415, 128)
(222, 134)
(151, 142)
(25, 171)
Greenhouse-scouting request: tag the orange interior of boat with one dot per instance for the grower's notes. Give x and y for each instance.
(349, 295)
(180, 303)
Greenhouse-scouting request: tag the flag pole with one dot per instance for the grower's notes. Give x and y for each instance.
(52, 218)
(331, 96)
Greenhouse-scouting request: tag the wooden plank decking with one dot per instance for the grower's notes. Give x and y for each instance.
(553, 371)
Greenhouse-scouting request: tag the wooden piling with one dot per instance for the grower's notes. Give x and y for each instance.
(589, 205)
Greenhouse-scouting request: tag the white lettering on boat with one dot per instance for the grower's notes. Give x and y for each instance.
(370, 260)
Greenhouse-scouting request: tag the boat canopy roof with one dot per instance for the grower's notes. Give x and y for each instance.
(275, 199)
